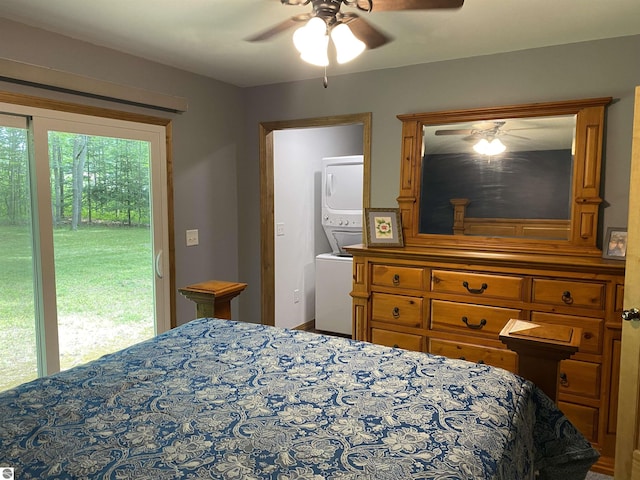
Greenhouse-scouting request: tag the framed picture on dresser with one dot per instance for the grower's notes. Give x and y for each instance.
(615, 244)
(383, 227)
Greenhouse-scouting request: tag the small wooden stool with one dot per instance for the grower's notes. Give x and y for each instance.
(540, 349)
(213, 298)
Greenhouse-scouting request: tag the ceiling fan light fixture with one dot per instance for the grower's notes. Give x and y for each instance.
(348, 46)
(493, 147)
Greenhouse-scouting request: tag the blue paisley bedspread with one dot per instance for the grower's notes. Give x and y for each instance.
(227, 400)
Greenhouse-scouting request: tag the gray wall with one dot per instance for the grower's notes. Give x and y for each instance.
(584, 70)
(216, 164)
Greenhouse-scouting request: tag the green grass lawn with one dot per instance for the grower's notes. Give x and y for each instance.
(104, 279)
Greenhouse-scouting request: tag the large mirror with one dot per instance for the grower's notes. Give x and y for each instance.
(512, 177)
(523, 177)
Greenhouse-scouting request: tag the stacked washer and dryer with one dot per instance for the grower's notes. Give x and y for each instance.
(341, 203)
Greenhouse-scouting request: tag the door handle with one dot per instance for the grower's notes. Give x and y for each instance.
(633, 314)
(329, 185)
(159, 264)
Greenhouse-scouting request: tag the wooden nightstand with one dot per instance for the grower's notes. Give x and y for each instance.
(213, 298)
(540, 349)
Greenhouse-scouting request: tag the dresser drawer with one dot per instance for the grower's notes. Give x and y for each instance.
(584, 418)
(476, 284)
(591, 341)
(398, 277)
(496, 357)
(470, 319)
(389, 338)
(569, 293)
(580, 378)
(397, 309)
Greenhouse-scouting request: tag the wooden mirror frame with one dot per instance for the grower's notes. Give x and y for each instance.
(585, 190)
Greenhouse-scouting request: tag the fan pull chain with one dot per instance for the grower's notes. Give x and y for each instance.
(325, 80)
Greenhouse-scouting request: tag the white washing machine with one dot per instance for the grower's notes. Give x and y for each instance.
(334, 280)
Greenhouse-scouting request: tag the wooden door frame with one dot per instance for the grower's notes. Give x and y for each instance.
(267, 208)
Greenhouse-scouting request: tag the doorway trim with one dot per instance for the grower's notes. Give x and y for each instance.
(267, 214)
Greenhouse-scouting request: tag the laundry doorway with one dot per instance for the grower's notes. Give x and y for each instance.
(294, 305)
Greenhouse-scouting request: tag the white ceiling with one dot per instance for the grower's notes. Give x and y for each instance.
(207, 36)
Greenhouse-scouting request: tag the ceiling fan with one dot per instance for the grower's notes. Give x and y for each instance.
(488, 129)
(329, 12)
(485, 136)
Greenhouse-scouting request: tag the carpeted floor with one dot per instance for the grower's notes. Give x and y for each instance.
(597, 476)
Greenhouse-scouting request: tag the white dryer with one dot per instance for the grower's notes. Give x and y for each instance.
(342, 201)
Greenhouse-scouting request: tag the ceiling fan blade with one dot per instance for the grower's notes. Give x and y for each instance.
(515, 136)
(395, 5)
(453, 132)
(279, 28)
(364, 31)
(488, 125)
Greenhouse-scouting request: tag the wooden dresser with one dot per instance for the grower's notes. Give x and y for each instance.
(455, 303)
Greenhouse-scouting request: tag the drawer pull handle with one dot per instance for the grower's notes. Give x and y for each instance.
(480, 362)
(461, 358)
(395, 312)
(395, 345)
(476, 291)
(563, 379)
(566, 297)
(476, 326)
(396, 279)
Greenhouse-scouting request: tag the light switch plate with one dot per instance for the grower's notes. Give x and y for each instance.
(192, 238)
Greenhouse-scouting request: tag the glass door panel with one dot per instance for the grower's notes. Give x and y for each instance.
(103, 245)
(18, 350)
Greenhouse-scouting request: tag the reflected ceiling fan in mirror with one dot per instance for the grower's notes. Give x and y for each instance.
(350, 33)
(485, 136)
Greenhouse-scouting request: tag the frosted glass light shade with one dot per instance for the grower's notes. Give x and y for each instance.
(317, 54)
(494, 147)
(347, 45)
(312, 41)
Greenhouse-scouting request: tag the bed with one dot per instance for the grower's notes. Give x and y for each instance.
(230, 400)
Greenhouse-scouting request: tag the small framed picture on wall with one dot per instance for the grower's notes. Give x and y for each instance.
(615, 244)
(383, 227)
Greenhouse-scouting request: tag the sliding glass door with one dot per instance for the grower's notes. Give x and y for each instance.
(95, 261)
(102, 243)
